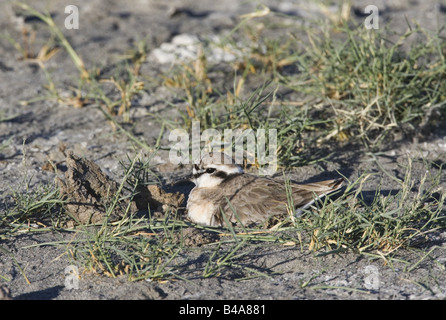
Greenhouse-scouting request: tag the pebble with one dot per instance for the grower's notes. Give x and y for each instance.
(186, 47)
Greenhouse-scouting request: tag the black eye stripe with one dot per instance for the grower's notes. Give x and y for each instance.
(196, 167)
(213, 171)
(221, 174)
(197, 175)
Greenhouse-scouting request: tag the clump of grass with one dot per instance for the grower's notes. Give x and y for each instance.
(127, 86)
(135, 247)
(32, 209)
(46, 18)
(386, 223)
(259, 110)
(371, 85)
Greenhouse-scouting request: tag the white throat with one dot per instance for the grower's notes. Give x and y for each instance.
(207, 181)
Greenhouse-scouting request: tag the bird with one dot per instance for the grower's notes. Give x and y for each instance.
(224, 194)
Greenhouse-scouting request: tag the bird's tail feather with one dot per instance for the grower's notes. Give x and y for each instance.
(318, 190)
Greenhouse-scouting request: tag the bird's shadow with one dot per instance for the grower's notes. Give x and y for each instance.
(45, 294)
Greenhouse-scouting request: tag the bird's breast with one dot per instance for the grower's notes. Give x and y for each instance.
(200, 209)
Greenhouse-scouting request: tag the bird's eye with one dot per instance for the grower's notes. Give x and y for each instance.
(210, 170)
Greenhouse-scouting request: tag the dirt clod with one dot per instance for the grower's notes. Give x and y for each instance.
(87, 189)
(89, 192)
(157, 198)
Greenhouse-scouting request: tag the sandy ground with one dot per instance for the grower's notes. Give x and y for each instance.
(107, 30)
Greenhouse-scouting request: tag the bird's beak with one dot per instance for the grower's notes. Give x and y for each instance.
(189, 177)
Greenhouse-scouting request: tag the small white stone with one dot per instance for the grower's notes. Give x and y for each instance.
(163, 56)
(185, 39)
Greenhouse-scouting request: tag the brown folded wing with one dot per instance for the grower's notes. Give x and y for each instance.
(255, 199)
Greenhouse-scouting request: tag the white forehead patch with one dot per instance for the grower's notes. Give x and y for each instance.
(229, 169)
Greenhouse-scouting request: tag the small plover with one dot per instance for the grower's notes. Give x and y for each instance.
(222, 188)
